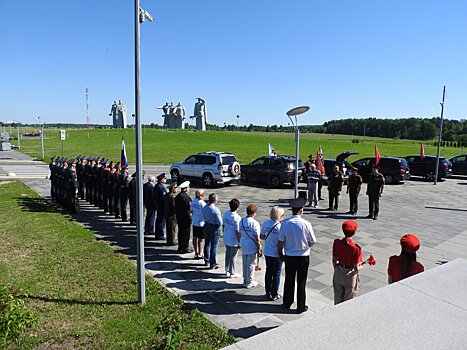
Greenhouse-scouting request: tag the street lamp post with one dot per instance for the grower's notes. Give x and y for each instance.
(140, 16)
(42, 136)
(293, 113)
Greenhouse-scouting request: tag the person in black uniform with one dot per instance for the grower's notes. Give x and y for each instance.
(116, 190)
(354, 183)
(374, 190)
(132, 198)
(80, 175)
(96, 184)
(89, 182)
(148, 200)
(170, 213)
(334, 187)
(182, 207)
(53, 176)
(159, 193)
(72, 187)
(123, 181)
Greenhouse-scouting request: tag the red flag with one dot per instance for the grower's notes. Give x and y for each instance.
(319, 164)
(422, 151)
(377, 155)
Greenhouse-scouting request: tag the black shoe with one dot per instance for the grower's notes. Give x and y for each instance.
(349, 212)
(320, 199)
(214, 267)
(301, 311)
(329, 208)
(277, 297)
(287, 306)
(369, 216)
(375, 218)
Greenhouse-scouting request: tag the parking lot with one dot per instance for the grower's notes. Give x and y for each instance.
(436, 214)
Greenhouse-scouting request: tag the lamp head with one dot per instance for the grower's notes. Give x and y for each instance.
(297, 111)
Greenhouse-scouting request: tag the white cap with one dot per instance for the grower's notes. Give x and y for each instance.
(184, 184)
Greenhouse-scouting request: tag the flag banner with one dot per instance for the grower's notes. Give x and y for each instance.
(319, 163)
(123, 159)
(422, 151)
(377, 155)
(271, 151)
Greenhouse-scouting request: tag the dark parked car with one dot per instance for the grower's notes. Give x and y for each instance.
(393, 169)
(426, 166)
(274, 170)
(459, 164)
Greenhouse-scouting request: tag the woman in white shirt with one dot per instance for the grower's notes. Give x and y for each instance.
(249, 241)
(270, 235)
(231, 230)
(198, 223)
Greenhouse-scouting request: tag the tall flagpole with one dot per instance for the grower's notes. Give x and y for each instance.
(439, 136)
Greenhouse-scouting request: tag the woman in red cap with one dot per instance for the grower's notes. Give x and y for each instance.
(406, 264)
(347, 262)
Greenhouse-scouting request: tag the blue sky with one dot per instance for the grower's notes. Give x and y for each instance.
(254, 58)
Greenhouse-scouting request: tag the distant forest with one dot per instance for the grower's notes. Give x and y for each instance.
(454, 131)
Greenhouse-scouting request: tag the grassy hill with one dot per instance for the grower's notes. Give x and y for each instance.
(168, 146)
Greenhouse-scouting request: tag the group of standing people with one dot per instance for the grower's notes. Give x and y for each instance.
(101, 182)
(336, 181)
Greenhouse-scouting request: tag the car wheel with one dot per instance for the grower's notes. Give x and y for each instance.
(175, 175)
(275, 182)
(244, 177)
(389, 179)
(234, 169)
(208, 180)
(430, 177)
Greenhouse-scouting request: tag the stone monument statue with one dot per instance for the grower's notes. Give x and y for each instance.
(170, 112)
(114, 114)
(165, 110)
(179, 112)
(200, 114)
(121, 112)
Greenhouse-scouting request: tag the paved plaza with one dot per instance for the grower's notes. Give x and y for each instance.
(436, 214)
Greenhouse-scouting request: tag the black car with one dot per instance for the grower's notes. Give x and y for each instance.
(393, 169)
(426, 166)
(459, 164)
(273, 170)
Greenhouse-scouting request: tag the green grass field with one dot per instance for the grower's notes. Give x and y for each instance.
(83, 293)
(166, 147)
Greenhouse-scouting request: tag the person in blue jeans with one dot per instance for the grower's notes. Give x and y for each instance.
(270, 236)
(212, 225)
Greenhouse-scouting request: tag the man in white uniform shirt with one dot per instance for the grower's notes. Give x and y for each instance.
(296, 236)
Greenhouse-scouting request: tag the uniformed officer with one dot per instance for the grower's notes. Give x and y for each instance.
(374, 190)
(159, 193)
(81, 175)
(53, 176)
(123, 181)
(296, 236)
(116, 190)
(132, 198)
(170, 213)
(89, 179)
(72, 201)
(96, 185)
(347, 262)
(406, 264)
(354, 183)
(182, 206)
(334, 187)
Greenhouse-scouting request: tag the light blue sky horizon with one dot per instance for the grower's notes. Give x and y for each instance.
(256, 59)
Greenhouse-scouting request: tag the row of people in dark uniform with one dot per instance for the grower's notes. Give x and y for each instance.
(100, 182)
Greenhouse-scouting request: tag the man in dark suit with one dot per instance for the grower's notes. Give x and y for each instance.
(159, 193)
(148, 200)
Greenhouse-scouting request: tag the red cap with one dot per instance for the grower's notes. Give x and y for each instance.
(349, 227)
(410, 243)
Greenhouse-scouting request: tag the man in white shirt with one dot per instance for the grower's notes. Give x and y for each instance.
(296, 236)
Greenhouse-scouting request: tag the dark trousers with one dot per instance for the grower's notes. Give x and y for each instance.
(353, 197)
(296, 267)
(320, 186)
(160, 223)
(272, 277)
(150, 221)
(133, 213)
(333, 199)
(183, 236)
(373, 202)
(123, 204)
(171, 225)
(117, 205)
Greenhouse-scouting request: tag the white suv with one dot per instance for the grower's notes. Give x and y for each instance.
(210, 167)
